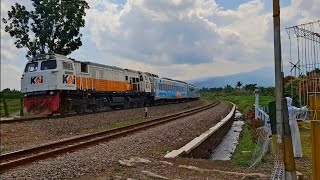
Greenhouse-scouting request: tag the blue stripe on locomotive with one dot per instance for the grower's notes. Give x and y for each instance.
(165, 89)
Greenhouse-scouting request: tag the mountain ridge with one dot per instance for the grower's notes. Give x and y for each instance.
(262, 77)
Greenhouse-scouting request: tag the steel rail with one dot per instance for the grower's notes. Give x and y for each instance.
(18, 158)
(20, 120)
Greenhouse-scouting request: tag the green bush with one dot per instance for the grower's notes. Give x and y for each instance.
(10, 95)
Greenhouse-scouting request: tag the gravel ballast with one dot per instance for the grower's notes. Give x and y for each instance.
(140, 156)
(18, 136)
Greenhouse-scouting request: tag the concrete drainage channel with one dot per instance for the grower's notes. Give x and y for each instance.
(203, 146)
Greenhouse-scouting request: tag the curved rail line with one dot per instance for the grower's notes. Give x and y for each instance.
(18, 120)
(18, 158)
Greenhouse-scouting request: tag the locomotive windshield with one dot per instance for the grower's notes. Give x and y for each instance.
(31, 67)
(49, 64)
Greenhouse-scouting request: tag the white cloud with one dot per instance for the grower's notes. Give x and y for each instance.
(183, 34)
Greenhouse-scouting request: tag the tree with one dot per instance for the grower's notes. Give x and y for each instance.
(316, 70)
(53, 26)
(288, 79)
(228, 88)
(250, 87)
(239, 84)
(6, 90)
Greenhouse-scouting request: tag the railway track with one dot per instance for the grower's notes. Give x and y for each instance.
(19, 120)
(26, 156)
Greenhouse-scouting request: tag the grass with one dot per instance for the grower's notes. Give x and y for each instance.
(305, 135)
(244, 102)
(246, 147)
(13, 106)
(161, 149)
(10, 95)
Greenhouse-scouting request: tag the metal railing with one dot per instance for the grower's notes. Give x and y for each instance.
(261, 114)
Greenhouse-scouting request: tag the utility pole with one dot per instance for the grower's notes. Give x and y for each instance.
(284, 139)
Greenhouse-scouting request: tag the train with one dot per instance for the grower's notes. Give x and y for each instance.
(53, 83)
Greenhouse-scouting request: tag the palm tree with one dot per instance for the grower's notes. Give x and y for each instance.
(239, 84)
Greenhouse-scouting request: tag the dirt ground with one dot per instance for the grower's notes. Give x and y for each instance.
(179, 168)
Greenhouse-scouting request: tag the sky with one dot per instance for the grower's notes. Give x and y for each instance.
(180, 39)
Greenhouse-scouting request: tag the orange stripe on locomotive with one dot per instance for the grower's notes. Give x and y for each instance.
(87, 83)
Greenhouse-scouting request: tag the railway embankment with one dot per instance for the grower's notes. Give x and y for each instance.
(202, 146)
(15, 136)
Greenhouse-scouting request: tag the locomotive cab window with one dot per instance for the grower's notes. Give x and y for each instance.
(31, 67)
(49, 64)
(67, 65)
(84, 68)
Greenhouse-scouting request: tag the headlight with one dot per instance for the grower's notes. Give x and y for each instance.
(51, 92)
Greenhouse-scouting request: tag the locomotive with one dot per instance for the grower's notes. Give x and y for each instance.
(53, 83)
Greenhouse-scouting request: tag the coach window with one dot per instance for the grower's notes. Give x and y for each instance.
(49, 64)
(84, 68)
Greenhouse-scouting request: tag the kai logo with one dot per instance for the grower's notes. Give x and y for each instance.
(68, 79)
(36, 79)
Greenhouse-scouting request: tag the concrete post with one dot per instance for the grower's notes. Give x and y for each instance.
(284, 140)
(256, 103)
